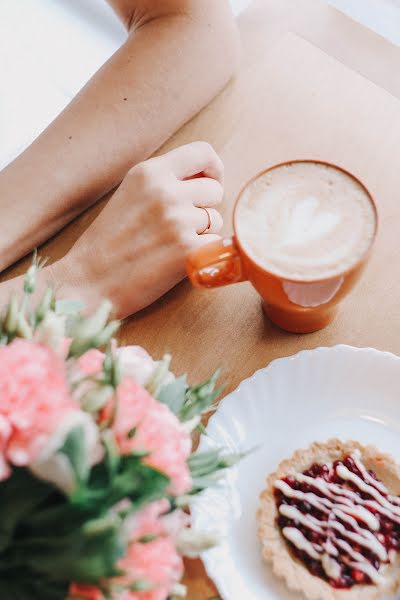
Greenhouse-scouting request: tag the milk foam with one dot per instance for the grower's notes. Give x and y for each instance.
(305, 221)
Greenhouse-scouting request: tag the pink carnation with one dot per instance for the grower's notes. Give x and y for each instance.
(157, 431)
(34, 400)
(155, 519)
(156, 562)
(91, 362)
(147, 521)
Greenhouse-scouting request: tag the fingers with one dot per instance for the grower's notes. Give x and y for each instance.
(201, 240)
(203, 191)
(207, 221)
(191, 159)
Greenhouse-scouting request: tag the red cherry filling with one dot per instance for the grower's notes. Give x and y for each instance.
(340, 521)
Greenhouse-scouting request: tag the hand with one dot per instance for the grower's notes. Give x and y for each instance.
(134, 251)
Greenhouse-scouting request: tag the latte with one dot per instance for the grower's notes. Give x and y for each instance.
(305, 221)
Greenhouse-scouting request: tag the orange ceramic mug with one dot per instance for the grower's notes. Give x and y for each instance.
(295, 305)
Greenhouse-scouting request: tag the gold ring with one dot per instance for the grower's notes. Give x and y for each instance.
(207, 229)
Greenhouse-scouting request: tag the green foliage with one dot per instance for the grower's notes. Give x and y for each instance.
(15, 505)
(94, 331)
(69, 308)
(208, 466)
(23, 587)
(189, 402)
(173, 394)
(119, 478)
(74, 448)
(48, 539)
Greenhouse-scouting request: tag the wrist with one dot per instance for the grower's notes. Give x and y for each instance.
(71, 282)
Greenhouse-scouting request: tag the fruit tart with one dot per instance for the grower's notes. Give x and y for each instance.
(329, 522)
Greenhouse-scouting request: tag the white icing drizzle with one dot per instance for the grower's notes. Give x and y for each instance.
(330, 548)
(362, 514)
(313, 499)
(295, 536)
(341, 506)
(330, 566)
(347, 475)
(356, 556)
(369, 479)
(368, 569)
(365, 539)
(359, 562)
(291, 512)
(383, 511)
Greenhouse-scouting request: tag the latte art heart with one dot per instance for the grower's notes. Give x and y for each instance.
(305, 221)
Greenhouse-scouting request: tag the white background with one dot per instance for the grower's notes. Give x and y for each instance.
(50, 48)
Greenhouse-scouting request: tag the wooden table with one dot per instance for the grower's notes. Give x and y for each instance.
(289, 100)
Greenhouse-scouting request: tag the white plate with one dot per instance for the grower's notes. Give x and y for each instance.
(351, 393)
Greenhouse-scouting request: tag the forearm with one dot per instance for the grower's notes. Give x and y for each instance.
(64, 276)
(169, 68)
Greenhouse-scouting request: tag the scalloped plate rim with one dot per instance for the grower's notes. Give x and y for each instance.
(223, 408)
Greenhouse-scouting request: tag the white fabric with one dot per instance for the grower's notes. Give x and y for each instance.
(50, 48)
(48, 51)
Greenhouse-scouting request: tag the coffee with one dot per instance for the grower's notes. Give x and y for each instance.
(305, 221)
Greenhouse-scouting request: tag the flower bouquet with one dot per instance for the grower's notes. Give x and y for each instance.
(96, 462)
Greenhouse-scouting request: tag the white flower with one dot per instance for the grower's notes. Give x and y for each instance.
(152, 374)
(168, 376)
(178, 591)
(191, 543)
(51, 332)
(54, 466)
(135, 362)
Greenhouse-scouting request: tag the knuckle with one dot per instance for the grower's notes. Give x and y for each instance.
(206, 147)
(142, 171)
(219, 190)
(220, 163)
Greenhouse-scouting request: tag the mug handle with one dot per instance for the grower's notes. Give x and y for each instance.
(215, 265)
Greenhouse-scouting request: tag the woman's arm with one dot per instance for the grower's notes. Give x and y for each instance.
(134, 251)
(178, 55)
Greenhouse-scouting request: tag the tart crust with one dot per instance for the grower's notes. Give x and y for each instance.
(274, 546)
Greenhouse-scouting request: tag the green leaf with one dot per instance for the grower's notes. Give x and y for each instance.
(129, 478)
(21, 587)
(74, 448)
(14, 505)
(83, 556)
(141, 585)
(207, 467)
(139, 483)
(201, 463)
(93, 331)
(148, 538)
(78, 546)
(111, 368)
(199, 398)
(111, 460)
(174, 394)
(189, 402)
(69, 308)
